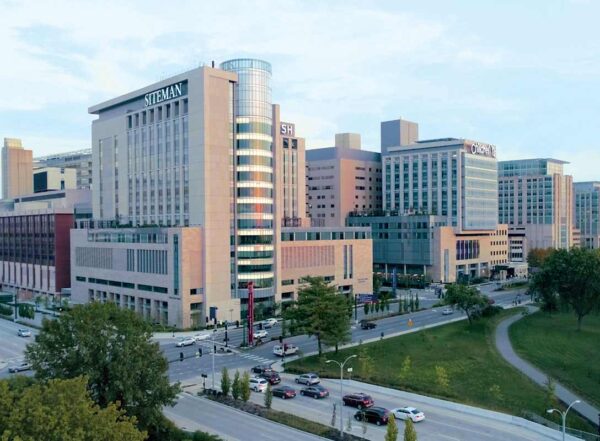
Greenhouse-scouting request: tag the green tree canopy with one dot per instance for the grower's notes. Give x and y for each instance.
(111, 347)
(465, 298)
(61, 410)
(575, 276)
(537, 256)
(321, 312)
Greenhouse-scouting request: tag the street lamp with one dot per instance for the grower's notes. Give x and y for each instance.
(341, 365)
(564, 416)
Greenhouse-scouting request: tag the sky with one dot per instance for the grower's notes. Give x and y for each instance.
(523, 75)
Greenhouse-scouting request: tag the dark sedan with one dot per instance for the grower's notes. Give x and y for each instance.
(261, 369)
(375, 415)
(271, 376)
(284, 392)
(316, 391)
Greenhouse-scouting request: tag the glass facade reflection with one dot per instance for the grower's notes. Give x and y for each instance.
(252, 238)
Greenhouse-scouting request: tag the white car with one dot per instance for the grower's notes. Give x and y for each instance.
(258, 384)
(447, 311)
(260, 334)
(270, 322)
(286, 349)
(200, 337)
(185, 341)
(24, 333)
(19, 368)
(405, 413)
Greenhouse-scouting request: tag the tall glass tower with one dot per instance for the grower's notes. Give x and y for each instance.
(252, 232)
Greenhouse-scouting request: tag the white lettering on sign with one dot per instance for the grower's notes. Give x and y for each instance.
(164, 94)
(287, 129)
(483, 149)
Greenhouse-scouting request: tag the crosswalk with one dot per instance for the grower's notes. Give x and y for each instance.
(257, 358)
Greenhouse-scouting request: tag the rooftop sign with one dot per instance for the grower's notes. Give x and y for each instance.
(479, 148)
(166, 93)
(287, 129)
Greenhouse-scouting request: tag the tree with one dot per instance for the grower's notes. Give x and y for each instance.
(366, 307)
(441, 377)
(112, 348)
(405, 369)
(321, 312)
(245, 387)
(225, 381)
(236, 386)
(268, 396)
(537, 256)
(26, 311)
(466, 298)
(410, 433)
(391, 434)
(61, 410)
(365, 362)
(377, 282)
(575, 276)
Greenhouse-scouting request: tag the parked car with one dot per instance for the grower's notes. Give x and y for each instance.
(405, 413)
(286, 348)
(258, 384)
(185, 341)
(359, 400)
(365, 324)
(447, 311)
(375, 415)
(271, 376)
(315, 391)
(261, 369)
(308, 379)
(24, 333)
(19, 368)
(284, 392)
(260, 334)
(270, 322)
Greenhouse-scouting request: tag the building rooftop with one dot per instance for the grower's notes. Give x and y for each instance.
(327, 153)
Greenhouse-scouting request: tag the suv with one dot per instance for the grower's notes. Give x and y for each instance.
(261, 369)
(376, 415)
(271, 376)
(365, 324)
(316, 391)
(258, 384)
(286, 349)
(358, 400)
(308, 379)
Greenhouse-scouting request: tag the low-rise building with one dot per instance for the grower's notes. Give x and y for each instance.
(54, 178)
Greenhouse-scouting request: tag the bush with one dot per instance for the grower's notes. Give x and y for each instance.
(6, 310)
(491, 310)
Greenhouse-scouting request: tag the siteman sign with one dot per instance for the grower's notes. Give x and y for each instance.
(478, 148)
(166, 93)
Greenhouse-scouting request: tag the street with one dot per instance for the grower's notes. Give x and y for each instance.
(13, 346)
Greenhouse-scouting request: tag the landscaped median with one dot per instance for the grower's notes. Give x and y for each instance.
(457, 362)
(552, 343)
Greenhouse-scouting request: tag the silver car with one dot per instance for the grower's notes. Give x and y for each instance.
(19, 368)
(308, 379)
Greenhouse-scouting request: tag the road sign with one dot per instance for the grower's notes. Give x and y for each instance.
(365, 298)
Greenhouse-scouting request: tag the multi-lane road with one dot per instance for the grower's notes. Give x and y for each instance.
(12, 347)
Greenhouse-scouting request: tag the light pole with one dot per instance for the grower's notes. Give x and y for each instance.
(564, 416)
(341, 365)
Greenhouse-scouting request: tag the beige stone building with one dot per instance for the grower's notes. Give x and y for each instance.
(17, 169)
(342, 179)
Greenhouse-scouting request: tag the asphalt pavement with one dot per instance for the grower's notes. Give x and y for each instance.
(12, 347)
(195, 413)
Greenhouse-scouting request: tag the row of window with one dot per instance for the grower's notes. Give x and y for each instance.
(129, 285)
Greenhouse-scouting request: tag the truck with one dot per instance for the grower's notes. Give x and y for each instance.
(285, 349)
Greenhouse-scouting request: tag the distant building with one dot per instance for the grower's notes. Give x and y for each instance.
(35, 241)
(54, 178)
(536, 197)
(80, 160)
(587, 213)
(340, 180)
(398, 132)
(17, 169)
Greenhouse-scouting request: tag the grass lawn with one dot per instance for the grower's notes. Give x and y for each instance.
(476, 373)
(552, 343)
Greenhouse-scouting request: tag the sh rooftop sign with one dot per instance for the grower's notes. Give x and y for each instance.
(287, 129)
(166, 93)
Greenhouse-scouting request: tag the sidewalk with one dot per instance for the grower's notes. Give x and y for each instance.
(505, 348)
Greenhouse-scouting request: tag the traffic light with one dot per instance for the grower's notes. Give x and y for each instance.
(200, 352)
(214, 349)
(181, 356)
